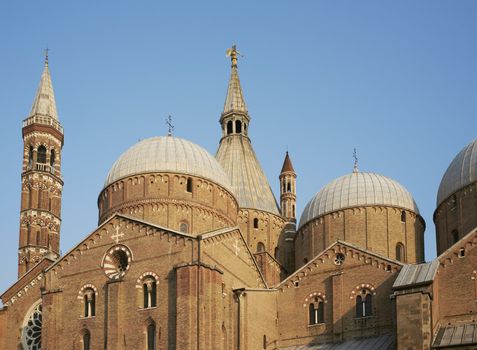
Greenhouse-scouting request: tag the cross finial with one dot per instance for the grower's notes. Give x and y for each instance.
(355, 156)
(169, 125)
(232, 53)
(47, 50)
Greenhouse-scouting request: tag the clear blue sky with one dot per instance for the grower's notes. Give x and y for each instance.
(396, 79)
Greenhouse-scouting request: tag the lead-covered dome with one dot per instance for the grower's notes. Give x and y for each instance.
(358, 189)
(168, 154)
(461, 172)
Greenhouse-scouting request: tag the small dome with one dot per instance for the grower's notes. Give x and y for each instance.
(460, 173)
(355, 190)
(168, 154)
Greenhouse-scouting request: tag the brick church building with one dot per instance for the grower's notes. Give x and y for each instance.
(192, 251)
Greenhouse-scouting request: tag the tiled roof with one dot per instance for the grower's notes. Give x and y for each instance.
(455, 335)
(358, 189)
(416, 274)
(382, 342)
(461, 172)
(168, 154)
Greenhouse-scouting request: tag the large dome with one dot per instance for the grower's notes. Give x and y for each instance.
(358, 189)
(168, 154)
(460, 173)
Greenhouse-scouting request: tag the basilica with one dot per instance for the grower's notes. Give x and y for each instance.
(193, 252)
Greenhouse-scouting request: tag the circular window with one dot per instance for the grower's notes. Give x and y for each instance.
(31, 332)
(116, 262)
(339, 259)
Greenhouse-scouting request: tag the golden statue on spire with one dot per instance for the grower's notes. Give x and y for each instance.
(232, 53)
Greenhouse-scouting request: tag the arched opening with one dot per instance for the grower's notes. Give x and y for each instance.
(288, 187)
(400, 252)
(264, 341)
(38, 238)
(316, 311)
(238, 126)
(41, 155)
(151, 336)
(230, 127)
(189, 185)
(52, 157)
(284, 187)
(184, 227)
(149, 288)
(364, 304)
(89, 299)
(30, 157)
(260, 247)
(293, 210)
(86, 340)
(403, 216)
(277, 253)
(255, 223)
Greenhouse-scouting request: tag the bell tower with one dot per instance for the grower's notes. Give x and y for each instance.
(288, 190)
(42, 184)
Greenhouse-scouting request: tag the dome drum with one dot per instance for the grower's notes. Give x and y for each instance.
(366, 209)
(171, 182)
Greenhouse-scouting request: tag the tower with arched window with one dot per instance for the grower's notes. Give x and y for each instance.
(42, 184)
(288, 189)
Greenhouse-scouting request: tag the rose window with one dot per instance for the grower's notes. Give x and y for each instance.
(339, 259)
(31, 334)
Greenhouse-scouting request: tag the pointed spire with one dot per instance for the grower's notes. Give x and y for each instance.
(44, 103)
(287, 164)
(234, 102)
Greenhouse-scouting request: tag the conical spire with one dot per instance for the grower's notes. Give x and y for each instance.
(44, 103)
(287, 164)
(234, 102)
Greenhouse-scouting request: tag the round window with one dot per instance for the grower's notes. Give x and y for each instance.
(116, 262)
(339, 259)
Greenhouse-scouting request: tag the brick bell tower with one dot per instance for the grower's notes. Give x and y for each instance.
(288, 190)
(42, 184)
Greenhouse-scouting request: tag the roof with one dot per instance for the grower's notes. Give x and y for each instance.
(238, 158)
(44, 102)
(416, 274)
(461, 172)
(358, 189)
(249, 183)
(287, 164)
(382, 342)
(234, 101)
(455, 335)
(168, 154)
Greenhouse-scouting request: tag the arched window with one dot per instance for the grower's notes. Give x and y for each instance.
(230, 127)
(364, 304)
(260, 247)
(184, 227)
(52, 157)
(238, 126)
(455, 236)
(403, 216)
(284, 187)
(316, 311)
(149, 292)
(30, 157)
(293, 210)
(288, 187)
(89, 299)
(41, 155)
(86, 340)
(151, 336)
(400, 252)
(255, 223)
(189, 185)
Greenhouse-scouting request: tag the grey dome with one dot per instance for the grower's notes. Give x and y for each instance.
(460, 173)
(358, 189)
(168, 154)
